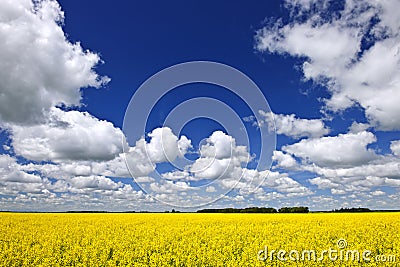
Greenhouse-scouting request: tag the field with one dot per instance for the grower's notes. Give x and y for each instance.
(179, 239)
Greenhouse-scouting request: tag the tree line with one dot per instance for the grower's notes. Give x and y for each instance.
(352, 210)
(257, 210)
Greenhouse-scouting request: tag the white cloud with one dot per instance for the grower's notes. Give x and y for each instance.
(103, 159)
(342, 150)
(81, 145)
(144, 179)
(21, 177)
(210, 189)
(357, 127)
(10, 171)
(69, 168)
(39, 67)
(41, 71)
(269, 196)
(328, 47)
(392, 182)
(219, 145)
(68, 135)
(338, 191)
(378, 193)
(138, 161)
(281, 182)
(222, 162)
(388, 167)
(37, 192)
(369, 177)
(374, 83)
(94, 182)
(334, 57)
(292, 126)
(323, 183)
(164, 145)
(209, 168)
(170, 187)
(184, 144)
(284, 160)
(254, 182)
(178, 175)
(395, 147)
(219, 157)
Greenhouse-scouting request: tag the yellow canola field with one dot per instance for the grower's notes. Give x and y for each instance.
(180, 239)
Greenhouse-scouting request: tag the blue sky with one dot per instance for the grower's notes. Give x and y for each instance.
(329, 72)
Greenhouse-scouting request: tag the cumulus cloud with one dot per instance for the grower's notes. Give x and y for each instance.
(11, 172)
(94, 183)
(164, 145)
(67, 135)
(170, 187)
(323, 183)
(111, 163)
(342, 150)
(371, 176)
(219, 145)
(145, 179)
(219, 157)
(66, 169)
(283, 160)
(210, 168)
(184, 145)
(355, 185)
(378, 193)
(357, 127)
(256, 182)
(285, 184)
(384, 167)
(353, 53)
(178, 175)
(31, 188)
(395, 147)
(290, 125)
(223, 163)
(41, 73)
(210, 189)
(137, 160)
(39, 67)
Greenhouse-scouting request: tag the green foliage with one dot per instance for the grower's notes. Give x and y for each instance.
(352, 210)
(294, 210)
(238, 210)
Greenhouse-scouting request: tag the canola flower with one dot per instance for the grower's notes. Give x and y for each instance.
(180, 239)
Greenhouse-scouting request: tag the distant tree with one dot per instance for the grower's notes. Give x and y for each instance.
(294, 210)
(237, 210)
(352, 210)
